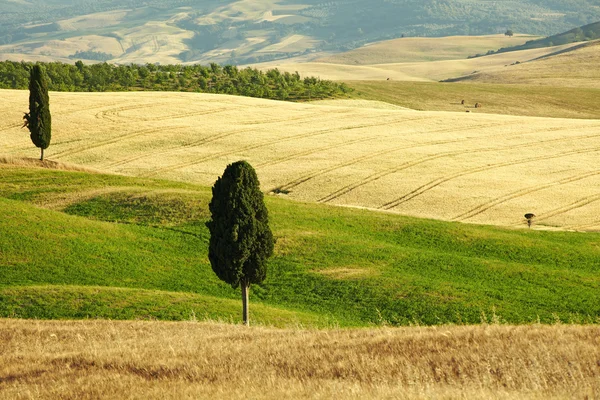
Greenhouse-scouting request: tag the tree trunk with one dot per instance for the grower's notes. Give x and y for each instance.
(245, 292)
(42, 156)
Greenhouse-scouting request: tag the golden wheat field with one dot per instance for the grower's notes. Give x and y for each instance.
(140, 360)
(471, 167)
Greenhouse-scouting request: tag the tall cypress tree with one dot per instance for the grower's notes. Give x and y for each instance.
(240, 238)
(38, 119)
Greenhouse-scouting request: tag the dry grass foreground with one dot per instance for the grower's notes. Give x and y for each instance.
(470, 167)
(140, 360)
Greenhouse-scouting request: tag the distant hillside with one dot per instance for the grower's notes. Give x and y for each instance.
(579, 34)
(576, 67)
(251, 31)
(423, 49)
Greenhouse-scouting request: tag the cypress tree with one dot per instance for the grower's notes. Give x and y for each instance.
(38, 119)
(240, 238)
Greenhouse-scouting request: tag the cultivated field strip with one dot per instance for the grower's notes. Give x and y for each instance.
(428, 186)
(479, 168)
(522, 192)
(265, 144)
(348, 188)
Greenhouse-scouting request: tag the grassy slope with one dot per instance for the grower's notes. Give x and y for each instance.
(423, 49)
(334, 265)
(579, 34)
(527, 100)
(576, 68)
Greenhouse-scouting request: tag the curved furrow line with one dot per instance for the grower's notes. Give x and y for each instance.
(312, 175)
(437, 182)
(378, 175)
(105, 114)
(519, 193)
(305, 118)
(197, 143)
(260, 145)
(184, 115)
(596, 223)
(12, 126)
(582, 202)
(316, 150)
(112, 141)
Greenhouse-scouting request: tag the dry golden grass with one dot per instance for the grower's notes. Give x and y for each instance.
(140, 360)
(413, 71)
(474, 167)
(424, 49)
(577, 68)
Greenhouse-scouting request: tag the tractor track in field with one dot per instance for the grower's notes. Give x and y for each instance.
(519, 193)
(583, 227)
(107, 114)
(582, 202)
(266, 144)
(317, 150)
(306, 178)
(439, 181)
(378, 175)
(205, 140)
(113, 141)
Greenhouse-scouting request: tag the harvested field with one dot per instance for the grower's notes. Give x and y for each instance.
(140, 360)
(416, 70)
(416, 49)
(576, 67)
(474, 167)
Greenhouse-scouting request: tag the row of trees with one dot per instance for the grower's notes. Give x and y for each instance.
(240, 238)
(213, 78)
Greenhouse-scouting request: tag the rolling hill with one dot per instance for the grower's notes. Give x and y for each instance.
(423, 71)
(244, 31)
(579, 34)
(80, 244)
(471, 167)
(422, 49)
(576, 67)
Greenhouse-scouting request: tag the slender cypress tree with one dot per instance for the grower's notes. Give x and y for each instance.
(38, 119)
(240, 238)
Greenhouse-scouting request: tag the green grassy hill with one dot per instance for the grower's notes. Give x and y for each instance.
(85, 245)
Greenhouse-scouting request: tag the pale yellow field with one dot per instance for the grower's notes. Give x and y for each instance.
(141, 360)
(471, 167)
(96, 20)
(414, 71)
(417, 49)
(577, 68)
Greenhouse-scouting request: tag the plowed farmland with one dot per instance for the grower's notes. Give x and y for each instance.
(471, 167)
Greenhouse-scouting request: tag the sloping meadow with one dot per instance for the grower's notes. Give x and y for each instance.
(87, 245)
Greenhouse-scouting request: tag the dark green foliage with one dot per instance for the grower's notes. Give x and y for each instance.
(184, 78)
(240, 237)
(38, 120)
